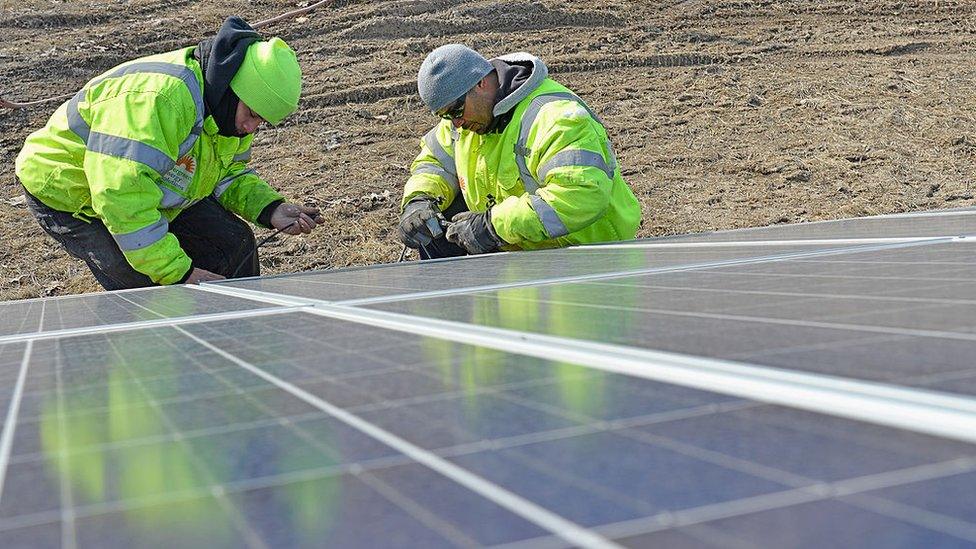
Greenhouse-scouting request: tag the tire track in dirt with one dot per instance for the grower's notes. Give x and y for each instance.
(753, 10)
(89, 19)
(366, 94)
(362, 94)
(527, 17)
(640, 61)
(909, 49)
(401, 9)
(56, 20)
(156, 6)
(335, 26)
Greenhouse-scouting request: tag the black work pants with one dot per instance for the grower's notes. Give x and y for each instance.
(214, 238)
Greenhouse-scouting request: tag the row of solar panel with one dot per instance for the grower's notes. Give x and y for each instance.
(248, 422)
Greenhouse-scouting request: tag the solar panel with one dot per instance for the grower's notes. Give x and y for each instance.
(360, 285)
(714, 391)
(913, 225)
(19, 318)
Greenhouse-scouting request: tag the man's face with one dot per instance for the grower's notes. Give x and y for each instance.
(477, 112)
(246, 121)
(478, 105)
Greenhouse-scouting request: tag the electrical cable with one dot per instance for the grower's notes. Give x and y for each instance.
(259, 244)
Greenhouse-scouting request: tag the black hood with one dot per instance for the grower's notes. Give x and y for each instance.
(511, 76)
(220, 57)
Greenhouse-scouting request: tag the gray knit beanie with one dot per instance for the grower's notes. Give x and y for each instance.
(448, 73)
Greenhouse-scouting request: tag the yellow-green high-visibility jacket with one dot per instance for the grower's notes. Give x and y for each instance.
(133, 149)
(551, 172)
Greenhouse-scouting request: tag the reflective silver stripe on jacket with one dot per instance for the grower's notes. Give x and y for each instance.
(530, 183)
(244, 156)
(142, 238)
(172, 199)
(190, 140)
(439, 171)
(224, 183)
(137, 151)
(446, 160)
(577, 157)
(81, 128)
(550, 219)
(76, 123)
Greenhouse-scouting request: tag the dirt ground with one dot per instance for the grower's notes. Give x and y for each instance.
(725, 114)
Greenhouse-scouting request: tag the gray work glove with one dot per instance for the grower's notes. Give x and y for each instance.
(420, 222)
(473, 232)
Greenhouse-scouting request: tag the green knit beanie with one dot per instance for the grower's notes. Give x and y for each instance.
(269, 80)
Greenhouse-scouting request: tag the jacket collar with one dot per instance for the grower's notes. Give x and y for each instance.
(539, 73)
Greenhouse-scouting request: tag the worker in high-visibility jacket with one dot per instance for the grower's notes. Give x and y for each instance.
(141, 172)
(518, 162)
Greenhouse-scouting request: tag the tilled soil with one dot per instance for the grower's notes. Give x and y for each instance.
(724, 114)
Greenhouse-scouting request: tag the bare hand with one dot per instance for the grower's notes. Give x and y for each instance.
(295, 218)
(202, 275)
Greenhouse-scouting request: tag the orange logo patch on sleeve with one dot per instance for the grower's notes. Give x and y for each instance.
(187, 163)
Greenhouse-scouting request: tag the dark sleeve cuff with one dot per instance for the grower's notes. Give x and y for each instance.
(187, 275)
(264, 218)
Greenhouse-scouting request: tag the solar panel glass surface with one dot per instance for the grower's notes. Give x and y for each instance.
(339, 425)
(929, 224)
(124, 435)
(110, 308)
(905, 315)
(394, 280)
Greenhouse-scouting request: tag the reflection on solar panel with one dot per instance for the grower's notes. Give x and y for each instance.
(808, 385)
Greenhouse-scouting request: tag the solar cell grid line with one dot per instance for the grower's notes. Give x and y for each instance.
(127, 326)
(924, 411)
(405, 503)
(925, 296)
(101, 309)
(342, 285)
(10, 422)
(650, 243)
(920, 517)
(826, 394)
(88, 311)
(839, 490)
(827, 324)
(826, 492)
(188, 434)
(19, 316)
(882, 262)
(68, 533)
(913, 514)
(812, 492)
(860, 297)
(565, 529)
(494, 389)
(729, 338)
(208, 339)
(88, 511)
(504, 391)
(249, 536)
(93, 387)
(618, 274)
(960, 224)
(965, 272)
(844, 491)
